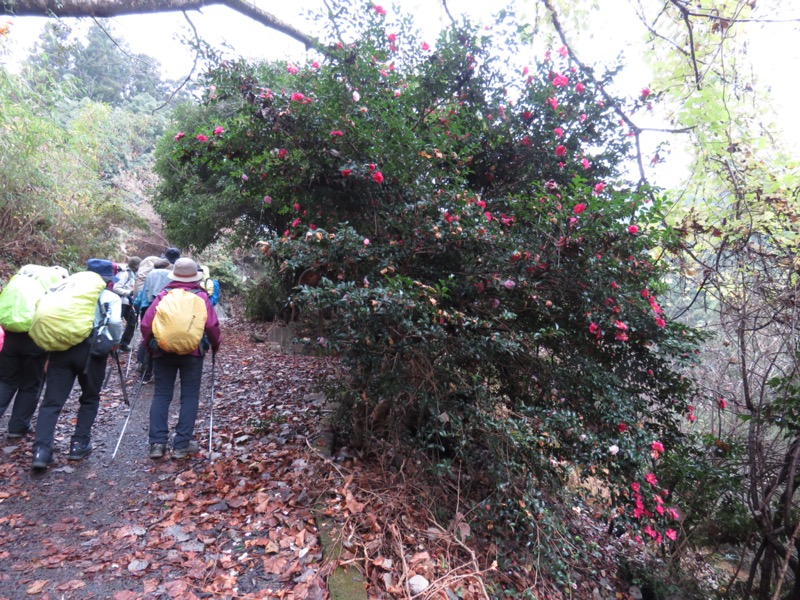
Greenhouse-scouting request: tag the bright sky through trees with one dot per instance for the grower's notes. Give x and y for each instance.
(773, 46)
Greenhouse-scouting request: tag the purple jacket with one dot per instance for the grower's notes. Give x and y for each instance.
(212, 323)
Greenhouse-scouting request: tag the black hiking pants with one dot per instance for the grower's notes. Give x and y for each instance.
(21, 372)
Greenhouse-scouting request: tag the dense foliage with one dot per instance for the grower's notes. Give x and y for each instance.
(486, 274)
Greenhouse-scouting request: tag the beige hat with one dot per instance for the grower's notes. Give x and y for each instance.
(185, 269)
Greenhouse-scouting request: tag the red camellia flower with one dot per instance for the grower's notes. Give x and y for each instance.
(392, 37)
(645, 93)
(593, 328)
(425, 46)
(651, 479)
(202, 138)
(661, 322)
(579, 208)
(657, 447)
(283, 153)
(290, 68)
(622, 428)
(599, 187)
(346, 172)
(558, 131)
(561, 150)
(560, 80)
(297, 97)
(336, 133)
(671, 534)
(563, 52)
(553, 103)
(179, 135)
(621, 326)
(722, 403)
(378, 177)
(585, 163)
(579, 87)
(632, 229)
(379, 9)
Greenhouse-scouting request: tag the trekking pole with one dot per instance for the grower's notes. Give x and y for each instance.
(128, 418)
(132, 346)
(211, 411)
(115, 353)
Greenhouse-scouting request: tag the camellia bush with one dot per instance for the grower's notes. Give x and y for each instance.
(483, 269)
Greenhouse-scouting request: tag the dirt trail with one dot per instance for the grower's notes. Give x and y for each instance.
(240, 526)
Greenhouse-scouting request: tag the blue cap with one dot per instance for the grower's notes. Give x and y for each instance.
(104, 268)
(172, 254)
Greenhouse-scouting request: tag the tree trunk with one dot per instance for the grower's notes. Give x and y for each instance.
(115, 8)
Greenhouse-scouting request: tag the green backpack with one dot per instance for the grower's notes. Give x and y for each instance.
(65, 315)
(19, 298)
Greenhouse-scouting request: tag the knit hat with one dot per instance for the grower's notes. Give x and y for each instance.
(185, 270)
(172, 254)
(104, 268)
(134, 262)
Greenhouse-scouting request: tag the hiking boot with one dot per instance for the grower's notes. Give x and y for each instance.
(42, 459)
(78, 451)
(184, 452)
(147, 378)
(157, 450)
(15, 435)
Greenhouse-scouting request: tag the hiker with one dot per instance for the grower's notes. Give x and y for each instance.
(178, 328)
(156, 280)
(148, 264)
(21, 360)
(211, 286)
(66, 317)
(124, 289)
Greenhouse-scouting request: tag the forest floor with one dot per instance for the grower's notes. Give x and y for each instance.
(243, 522)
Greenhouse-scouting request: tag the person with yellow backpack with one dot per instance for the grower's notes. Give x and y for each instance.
(178, 328)
(67, 324)
(21, 360)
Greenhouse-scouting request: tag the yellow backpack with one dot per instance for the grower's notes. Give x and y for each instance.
(65, 315)
(180, 321)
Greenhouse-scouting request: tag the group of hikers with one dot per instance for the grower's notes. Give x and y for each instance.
(56, 328)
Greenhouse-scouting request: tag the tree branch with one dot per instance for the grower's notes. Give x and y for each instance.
(116, 8)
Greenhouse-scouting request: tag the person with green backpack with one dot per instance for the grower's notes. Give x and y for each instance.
(21, 360)
(66, 319)
(178, 327)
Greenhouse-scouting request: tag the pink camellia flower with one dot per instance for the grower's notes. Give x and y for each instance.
(635, 486)
(290, 68)
(613, 450)
(645, 293)
(621, 326)
(657, 447)
(722, 403)
(585, 163)
(599, 187)
(671, 534)
(582, 118)
(336, 133)
(425, 46)
(645, 93)
(563, 52)
(558, 131)
(245, 177)
(673, 513)
(509, 284)
(379, 9)
(481, 203)
(296, 222)
(621, 336)
(392, 37)
(179, 135)
(267, 200)
(488, 215)
(651, 479)
(560, 80)
(561, 150)
(219, 131)
(553, 103)
(296, 206)
(660, 322)
(579, 208)
(372, 166)
(366, 241)
(346, 172)
(297, 97)
(283, 153)
(377, 176)
(579, 87)
(633, 229)
(593, 328)
(315, 65)
(202, 138)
